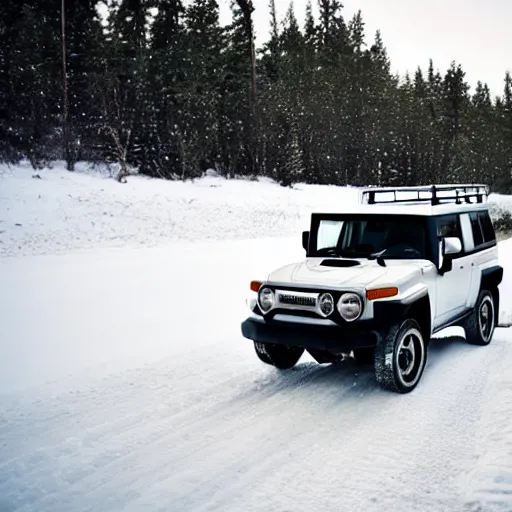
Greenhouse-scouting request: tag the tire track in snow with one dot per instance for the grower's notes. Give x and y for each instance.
(125, 433)
(378, 447)
(489, 481)
(315, 437)
(131, 461)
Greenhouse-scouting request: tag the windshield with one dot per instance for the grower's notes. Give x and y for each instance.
(392, 236)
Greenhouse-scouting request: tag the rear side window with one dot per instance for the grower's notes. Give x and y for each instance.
(487, 227)
(483, 230)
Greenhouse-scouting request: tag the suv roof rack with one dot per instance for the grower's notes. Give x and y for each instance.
(433, 194)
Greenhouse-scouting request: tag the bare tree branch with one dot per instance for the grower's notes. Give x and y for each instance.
(119, 122)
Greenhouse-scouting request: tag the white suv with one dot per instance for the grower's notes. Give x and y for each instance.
(379, 280)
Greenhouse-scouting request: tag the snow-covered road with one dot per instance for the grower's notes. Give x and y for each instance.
(125, 385)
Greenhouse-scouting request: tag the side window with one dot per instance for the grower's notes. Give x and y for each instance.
(449, 226)
(483, 230)
(328, 234)
(478, 236)
(487, 227)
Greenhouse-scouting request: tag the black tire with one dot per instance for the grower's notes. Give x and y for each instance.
(364, 355)
(400, 357)
(481, 325)
(322, 356)
(281, 356)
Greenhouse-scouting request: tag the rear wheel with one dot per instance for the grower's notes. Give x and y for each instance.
(481, 324)
(283, 357)
(400, 357)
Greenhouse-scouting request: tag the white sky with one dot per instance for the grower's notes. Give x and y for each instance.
(474, 33)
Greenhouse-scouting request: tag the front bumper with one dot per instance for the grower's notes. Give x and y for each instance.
(317, 334)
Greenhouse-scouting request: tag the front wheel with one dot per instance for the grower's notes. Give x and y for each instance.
(400, 357)
(281, 356)
(481, 324)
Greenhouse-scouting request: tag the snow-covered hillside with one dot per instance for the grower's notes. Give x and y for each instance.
(125, 384)
(86, 210)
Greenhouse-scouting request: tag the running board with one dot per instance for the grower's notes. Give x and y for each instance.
(504, 325)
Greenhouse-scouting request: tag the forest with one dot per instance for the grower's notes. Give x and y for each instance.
(163, 88)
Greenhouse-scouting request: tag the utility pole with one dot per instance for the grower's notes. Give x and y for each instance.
(65, 101)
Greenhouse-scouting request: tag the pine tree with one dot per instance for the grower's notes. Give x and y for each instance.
(129, 23)
(122, 85)
(274, 29)
(84, 46)
(507, 95)
(200, 95)
(167, 28)
(504, 116)
(455, 98)
(386, 122)
(356, 33)
(10, 15)
(291, 37)
(8, 152)
(331, 23)
(293, 170)
(481, 129)
(167, 80)
(310, 29)
(35, 83)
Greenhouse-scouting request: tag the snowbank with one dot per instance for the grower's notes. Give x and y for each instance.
(65, 211)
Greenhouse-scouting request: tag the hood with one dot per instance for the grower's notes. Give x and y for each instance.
(367, 274)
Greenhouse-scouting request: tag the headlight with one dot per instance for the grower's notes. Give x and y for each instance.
(266, 299)
(350, 307)
(326, 304)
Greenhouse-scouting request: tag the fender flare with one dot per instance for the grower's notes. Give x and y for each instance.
(491, 277)
(490, 280)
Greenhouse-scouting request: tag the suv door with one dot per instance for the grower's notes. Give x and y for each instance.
(482, 244)
(454, 286)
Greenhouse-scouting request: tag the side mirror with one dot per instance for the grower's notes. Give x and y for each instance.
(448, 247)
(305, 240)
(452, 246)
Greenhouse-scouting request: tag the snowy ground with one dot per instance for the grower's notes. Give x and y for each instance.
(62, 211)
(125, 383)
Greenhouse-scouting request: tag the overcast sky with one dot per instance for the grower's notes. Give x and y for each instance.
(475, 33)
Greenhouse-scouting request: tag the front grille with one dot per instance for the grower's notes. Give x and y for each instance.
(294, 300)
